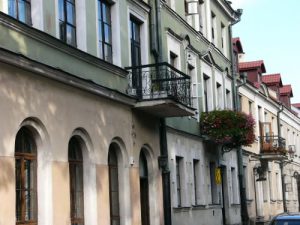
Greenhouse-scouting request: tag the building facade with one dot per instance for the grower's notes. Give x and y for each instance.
(272, 162)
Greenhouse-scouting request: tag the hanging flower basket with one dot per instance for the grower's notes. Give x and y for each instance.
(228, 128)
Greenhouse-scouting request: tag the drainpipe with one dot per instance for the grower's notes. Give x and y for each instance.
(163, 159)
(281, 162)
(236, 103)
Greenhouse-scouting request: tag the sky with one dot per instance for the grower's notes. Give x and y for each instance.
(270, 30)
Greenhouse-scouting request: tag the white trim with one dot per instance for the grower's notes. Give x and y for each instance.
(44, 171)
(89, 177)
(5, 6)
(56, 18)
(116, 31)
(37, 14)
(142, 16)
(81, 33)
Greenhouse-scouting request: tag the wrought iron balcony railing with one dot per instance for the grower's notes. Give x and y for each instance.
(273, 144)
(159, 81)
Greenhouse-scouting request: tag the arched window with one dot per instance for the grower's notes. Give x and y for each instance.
(144, 189)
(113, 185)
(76, 181)
(26, 177)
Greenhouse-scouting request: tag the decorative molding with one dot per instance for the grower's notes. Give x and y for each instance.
(24, 63)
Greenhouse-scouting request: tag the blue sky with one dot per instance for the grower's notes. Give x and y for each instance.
(270, 30)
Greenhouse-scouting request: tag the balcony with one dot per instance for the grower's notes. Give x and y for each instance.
(273, 147)
(161, 90)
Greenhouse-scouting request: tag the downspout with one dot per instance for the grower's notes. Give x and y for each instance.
(163, 158)
(281, 162)
(236, 103)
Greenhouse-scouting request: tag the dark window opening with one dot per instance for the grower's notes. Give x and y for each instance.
(113, 186)
(26, 177)
(76, 181)
(144, 189)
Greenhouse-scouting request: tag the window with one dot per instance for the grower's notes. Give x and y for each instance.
(250, 107)
(213, 28)
(173, 59)
(178, 181)
(76, 181)
(234, 186)
(135, 51)
(196, 180)
(213, 185)
(228, 99)
(219, 96)
(26, 177)
(20, 10)
(104, 31)
(67, 21)
(205, 87)
(144, 189)
(270, 185)
(113, 186)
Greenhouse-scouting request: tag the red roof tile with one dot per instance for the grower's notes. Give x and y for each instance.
(297, 105)
(272, 78)
(253, 65)
(286, 89)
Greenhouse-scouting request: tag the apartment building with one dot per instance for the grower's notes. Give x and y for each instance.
(101, 101)
(272, 162)
(196, 37)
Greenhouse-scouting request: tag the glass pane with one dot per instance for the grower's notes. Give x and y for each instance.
(99, 11)
(107, 32)
(21, 11)
(12, 8)
(18, 174)
(114, 203)
(100, 50)
(30, 205)
(107, 52)
(61, 10)
(106, 13)
(71, 35)
(70, 14)
(18, 204)
(100, 31)
(62, 31)
(28, 13)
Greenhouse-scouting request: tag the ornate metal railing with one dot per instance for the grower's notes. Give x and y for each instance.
(273, 143)
(159, 81)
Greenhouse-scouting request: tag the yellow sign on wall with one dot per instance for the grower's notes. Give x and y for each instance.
(218, 176)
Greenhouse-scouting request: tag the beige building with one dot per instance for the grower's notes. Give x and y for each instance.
(271, 164)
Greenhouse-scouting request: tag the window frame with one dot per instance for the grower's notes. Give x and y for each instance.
(113, 166)
(101, 25)
(73, 165)
(178, 169)
(23, 157)
(64, 24)
(27, 11)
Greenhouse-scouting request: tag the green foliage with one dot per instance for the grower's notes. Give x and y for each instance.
(228, 127)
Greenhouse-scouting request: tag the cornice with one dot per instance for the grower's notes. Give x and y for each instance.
(61, 76)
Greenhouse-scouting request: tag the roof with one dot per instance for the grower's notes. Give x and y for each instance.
(252, 65)
(272, 79)
(297, 105)
(286, 90)
(237, 42)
